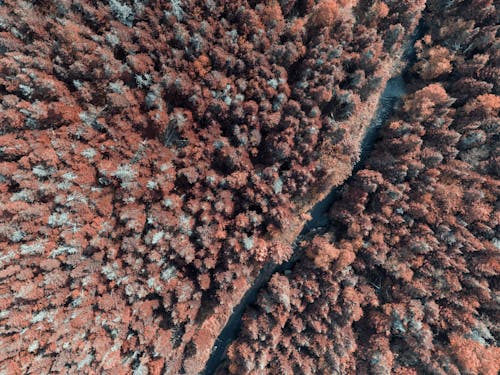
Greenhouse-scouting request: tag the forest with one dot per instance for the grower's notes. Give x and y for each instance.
(157, 156)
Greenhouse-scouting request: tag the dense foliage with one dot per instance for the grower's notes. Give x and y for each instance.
(406, 279)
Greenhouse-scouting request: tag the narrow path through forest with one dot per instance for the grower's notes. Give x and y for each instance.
(393, 92)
